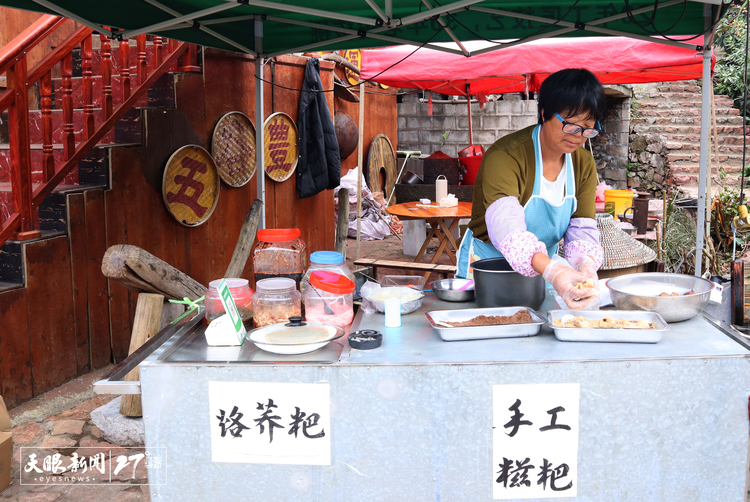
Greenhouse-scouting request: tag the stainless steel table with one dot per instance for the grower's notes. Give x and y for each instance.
(412, 420)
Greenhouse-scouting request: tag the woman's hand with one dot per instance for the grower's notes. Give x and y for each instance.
(588, 268)
(570, 284)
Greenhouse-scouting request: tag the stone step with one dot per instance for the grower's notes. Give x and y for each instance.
(681, 111)
(731, 133)
(719, 102)
(683, 119)
(695, 169)
(732, 158)
(691, 87)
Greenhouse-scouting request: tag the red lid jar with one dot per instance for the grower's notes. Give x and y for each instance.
(329, 299)
(279, 253)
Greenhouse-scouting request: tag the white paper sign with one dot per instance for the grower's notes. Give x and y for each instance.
(270, 423)
(227, 301)
(535, 440)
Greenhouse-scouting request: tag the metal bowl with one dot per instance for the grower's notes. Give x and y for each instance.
(446, 289)
(641, 292)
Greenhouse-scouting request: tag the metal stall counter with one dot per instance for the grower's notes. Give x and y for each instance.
(424, 419)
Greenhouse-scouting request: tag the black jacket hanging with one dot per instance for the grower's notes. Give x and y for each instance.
(319, 166)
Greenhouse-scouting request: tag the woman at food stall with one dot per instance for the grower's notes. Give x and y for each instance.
(537, 186)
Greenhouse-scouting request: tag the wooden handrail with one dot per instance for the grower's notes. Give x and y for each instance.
(58, 53)
(23, 222)
(28, 39)
(42, 191)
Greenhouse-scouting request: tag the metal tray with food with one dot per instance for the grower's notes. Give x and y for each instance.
(608, 334)
(440, 319)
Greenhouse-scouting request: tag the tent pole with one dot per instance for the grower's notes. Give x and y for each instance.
(471, 135)
(260, 168)
(360, 160)
(705, 108)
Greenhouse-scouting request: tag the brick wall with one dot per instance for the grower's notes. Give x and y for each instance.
(419, 131)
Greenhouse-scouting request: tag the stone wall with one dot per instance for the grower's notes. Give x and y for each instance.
(419, 131)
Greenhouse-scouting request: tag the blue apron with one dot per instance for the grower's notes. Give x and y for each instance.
(543, 219)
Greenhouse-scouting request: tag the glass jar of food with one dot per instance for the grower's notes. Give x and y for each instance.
(328, 299)
(279, 253)
(328, 261)
(275, 301)
(241, 293)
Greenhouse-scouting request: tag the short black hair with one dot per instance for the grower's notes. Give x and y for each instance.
(573, 91)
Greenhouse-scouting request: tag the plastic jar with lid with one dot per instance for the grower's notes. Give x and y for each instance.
(275, 301)
(328, 261)
(329, 299)
(279, 253)
(241, 293)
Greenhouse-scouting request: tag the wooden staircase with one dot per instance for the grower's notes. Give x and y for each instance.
(61, 118)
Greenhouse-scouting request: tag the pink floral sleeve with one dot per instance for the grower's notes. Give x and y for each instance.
(575, 251)
(519, 247)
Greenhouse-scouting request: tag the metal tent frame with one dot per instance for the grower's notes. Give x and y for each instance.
(370, 23)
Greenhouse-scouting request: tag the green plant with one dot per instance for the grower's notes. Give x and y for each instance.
(634, 109)
(729, 71)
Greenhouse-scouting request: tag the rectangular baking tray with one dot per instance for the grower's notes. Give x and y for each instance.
(606, 334)
(454, 334)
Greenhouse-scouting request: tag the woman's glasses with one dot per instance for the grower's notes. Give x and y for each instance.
(571, 128)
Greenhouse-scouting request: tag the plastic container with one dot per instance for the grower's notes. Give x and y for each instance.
(275, 301)
(327, 261)
(241, 293)
(617, 201)
(471, 164)
(409, 281)
(329, 299)
(279, 253)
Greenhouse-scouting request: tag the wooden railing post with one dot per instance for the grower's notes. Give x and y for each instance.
(88, 87)
(69, 140)
(125, 69)
(45, 94)
(142, 68)
(189, 60)
(158, 50)
(106, 54)
(20, 150)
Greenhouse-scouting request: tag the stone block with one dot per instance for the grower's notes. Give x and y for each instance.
(57, 442)
(495, 122)
(504, 107)
(408, 109)
(415, 232)
(459, 136)
(401, 123)
(40, 497)
(524, 107)
(520, 121)
(430, 137)
(616, 174)
(484, 137)
(27, 433)
(408, 137)
(416, 123)
(673, 145)
(116, 428)
(72, 427)
(463, 122)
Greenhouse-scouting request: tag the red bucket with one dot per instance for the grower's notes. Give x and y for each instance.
(472, 168)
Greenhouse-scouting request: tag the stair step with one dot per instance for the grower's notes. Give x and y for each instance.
(682, 111)
(127, 131)
(160, 95)
(694, 157)
(683, 119)
(733, 131)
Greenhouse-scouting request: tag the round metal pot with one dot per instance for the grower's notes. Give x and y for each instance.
(496, 284)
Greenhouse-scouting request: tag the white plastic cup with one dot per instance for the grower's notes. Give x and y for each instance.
(392, 313)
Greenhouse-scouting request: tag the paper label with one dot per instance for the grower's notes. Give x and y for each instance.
(230, 308)
(535, 441)
(270, 423)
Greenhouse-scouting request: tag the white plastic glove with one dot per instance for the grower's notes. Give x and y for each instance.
(588, 268)
(567, 282)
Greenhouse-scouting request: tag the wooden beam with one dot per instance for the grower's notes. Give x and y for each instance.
(342, 223)
(245, 241)
(145, 325)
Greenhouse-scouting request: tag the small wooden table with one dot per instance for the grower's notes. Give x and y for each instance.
(436, 216)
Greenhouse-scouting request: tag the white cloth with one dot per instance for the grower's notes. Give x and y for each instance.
(554, 191)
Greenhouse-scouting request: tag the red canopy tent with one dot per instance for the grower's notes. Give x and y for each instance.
(521, 68)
